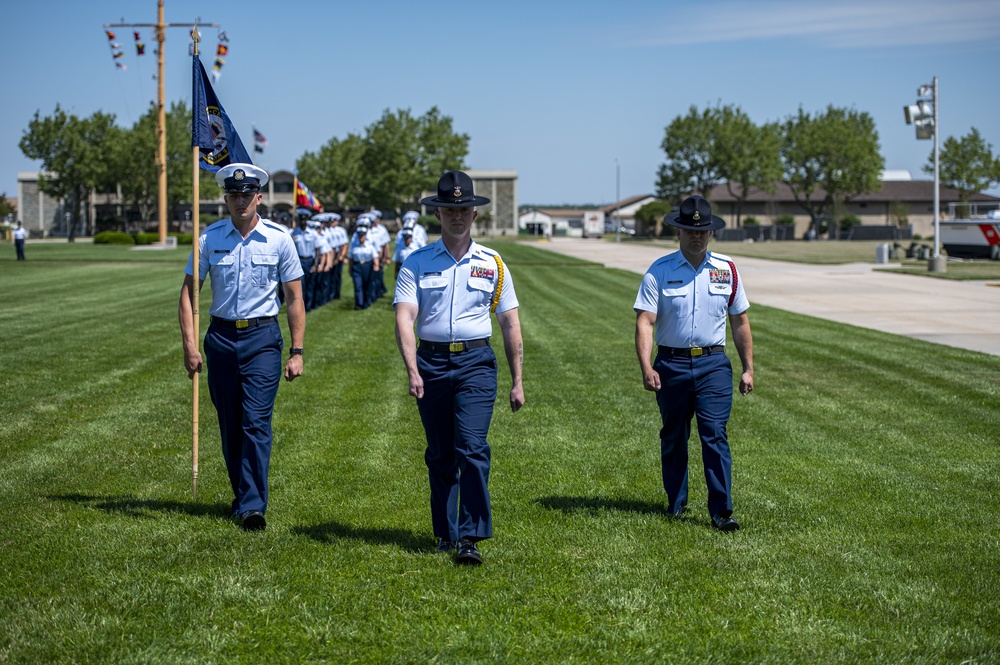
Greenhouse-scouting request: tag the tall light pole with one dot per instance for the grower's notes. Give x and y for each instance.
(618, 201)
(924, 116)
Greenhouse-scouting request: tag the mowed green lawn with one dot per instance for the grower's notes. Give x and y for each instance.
(866, 478)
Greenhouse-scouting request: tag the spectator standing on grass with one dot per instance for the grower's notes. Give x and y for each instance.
(447, 290)
(684, 301)
(246, 257)
(18, 236)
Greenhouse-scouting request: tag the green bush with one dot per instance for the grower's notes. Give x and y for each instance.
(785, 220)
(146, 238)
(751, 221)
(847, 221)
(113, 238)
(182, 238)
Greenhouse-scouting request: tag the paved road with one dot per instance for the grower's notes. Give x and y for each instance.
(962, 314)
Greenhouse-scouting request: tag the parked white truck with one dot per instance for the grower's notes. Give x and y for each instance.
(973, 231)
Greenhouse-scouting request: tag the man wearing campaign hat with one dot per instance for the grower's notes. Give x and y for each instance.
(447, 291)
(684, 301)
(246, 257)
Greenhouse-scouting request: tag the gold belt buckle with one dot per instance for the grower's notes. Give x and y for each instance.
(696, 351)
(455, 347)
(242, 323)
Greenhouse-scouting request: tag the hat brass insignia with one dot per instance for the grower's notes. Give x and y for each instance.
(238, 174)
(696, 216)
(458, 192)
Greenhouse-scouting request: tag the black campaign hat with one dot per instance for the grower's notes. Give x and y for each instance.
(695, 214)
(455, 191)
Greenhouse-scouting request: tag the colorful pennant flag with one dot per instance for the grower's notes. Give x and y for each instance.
(305, 198)
(140, 47)
(222, 50)
(211, 129)
(259, 142)
(111, 35)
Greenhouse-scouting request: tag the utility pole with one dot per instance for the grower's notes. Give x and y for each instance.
(161, 115)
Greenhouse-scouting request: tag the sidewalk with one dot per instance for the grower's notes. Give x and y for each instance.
(955, 313)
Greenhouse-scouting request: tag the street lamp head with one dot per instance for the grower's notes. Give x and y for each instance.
(925, 90)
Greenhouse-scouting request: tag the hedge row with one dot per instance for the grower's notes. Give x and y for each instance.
(120, 238)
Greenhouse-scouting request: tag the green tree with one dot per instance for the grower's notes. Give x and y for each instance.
(72, 152)
(6, 207)
(691, 166)
(133, 158)
(334, 172)
(748, 156)
(967, 164)
(650, 216)
(398, 158)
(829, 159)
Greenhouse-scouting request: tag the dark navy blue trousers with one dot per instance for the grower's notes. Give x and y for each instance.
(364, 288)
(19, 246)
(338, 272)
(456, 409)
(701, 387)
(244, 370)
(308, 283)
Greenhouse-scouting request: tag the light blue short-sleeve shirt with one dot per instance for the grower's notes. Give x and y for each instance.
(453, 297)
(245, 272)
(691, 306)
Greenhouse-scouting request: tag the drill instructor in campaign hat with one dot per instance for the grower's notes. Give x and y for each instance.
(684, 302)
(445, 293)
(246, 257)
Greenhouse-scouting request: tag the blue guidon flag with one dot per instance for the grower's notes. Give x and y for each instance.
(211, 129)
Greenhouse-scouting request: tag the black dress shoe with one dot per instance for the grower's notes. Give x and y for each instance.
(446, 545)
(467, 553)
(253, 520)
(725, 523)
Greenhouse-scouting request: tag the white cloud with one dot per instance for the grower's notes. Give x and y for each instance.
(843, 24)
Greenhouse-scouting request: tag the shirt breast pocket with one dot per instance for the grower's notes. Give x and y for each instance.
(480, 291)
(674, 299)
(265, 270)
(432, 293)
(223, 269)
(720, 298)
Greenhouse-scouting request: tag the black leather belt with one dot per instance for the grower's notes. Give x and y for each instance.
(693, 352)
(244, 323)
(454, 347)
(306, 257)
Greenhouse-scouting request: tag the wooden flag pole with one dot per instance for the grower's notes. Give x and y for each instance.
(195, 287)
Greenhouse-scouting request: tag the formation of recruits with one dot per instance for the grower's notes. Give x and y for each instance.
(323, 247)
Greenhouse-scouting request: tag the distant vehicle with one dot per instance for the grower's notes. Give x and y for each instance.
(593, 224)
(609, 229)
(976, 234)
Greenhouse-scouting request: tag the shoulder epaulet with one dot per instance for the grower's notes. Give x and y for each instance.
(214, 225)
(274, 225)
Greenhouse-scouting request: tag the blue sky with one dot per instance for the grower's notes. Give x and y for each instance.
(556, 90)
